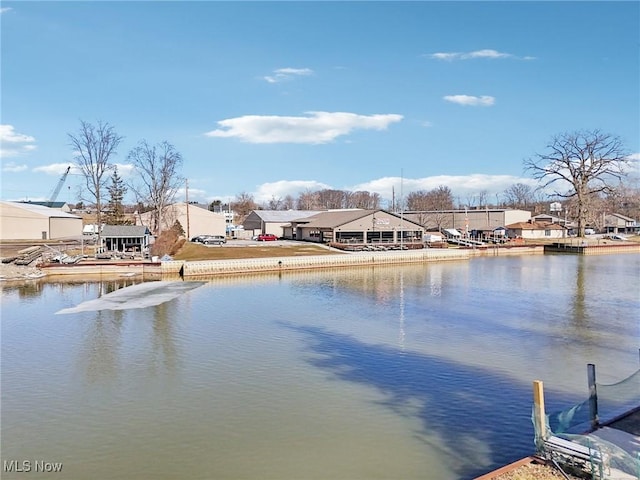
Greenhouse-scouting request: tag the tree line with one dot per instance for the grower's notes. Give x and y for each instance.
(622, 198)
(587, 168)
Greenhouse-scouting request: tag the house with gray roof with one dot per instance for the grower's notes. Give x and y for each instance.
(618, 223)
(126, 238)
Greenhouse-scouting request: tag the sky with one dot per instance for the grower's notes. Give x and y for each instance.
(279, 98)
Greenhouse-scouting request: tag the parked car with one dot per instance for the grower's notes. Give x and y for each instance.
(214, 240)
(267, 237)
(209, 239)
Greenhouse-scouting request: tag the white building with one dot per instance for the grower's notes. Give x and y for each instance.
(535, 230)
(28, 221)
(195, 220)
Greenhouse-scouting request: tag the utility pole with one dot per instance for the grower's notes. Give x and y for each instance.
(401, 208)
(186, 194)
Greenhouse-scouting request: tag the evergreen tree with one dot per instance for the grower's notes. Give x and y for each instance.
(117, 190)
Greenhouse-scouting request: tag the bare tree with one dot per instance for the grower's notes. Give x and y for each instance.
(439, 198)
(93, 146)
(332, 199)
(624, 199)
(275, 203)
(243, 205)
(587, 162)
(417, 200)
(288, 203)
(483, 198)
(308, 200)
(519, 195)
(363, 199)
(157, 167)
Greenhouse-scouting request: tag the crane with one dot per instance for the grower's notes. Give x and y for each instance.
(56, 191)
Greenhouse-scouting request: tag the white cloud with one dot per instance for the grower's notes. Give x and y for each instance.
(288, 73)
(282, 188)
(470, 100)
(5, 9)
(445, 56)
(125, 170)
(195, 195)
(20, 143)
(13, 168)
(8, 134)
(484, 53)
(461, 186)
(633, 167)
(56, 169)
(316, 128)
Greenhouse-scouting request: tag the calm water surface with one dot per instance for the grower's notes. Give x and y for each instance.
(417, 372)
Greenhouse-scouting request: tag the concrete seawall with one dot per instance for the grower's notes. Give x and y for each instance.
(102, 268)
(591, 249)
(503, 251)
(205, 268)
(215, 267)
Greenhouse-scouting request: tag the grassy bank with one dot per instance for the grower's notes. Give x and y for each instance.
(195, 251)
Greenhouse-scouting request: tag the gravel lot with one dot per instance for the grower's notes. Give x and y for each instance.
(9, 271)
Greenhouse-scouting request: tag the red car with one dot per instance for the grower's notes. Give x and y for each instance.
(267, 237)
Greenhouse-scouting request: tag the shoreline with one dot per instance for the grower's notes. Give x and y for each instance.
(203, 268)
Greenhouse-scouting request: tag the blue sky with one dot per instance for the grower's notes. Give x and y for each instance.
(274, 98)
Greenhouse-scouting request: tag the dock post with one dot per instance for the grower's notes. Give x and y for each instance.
(593, 395)
(539, 415)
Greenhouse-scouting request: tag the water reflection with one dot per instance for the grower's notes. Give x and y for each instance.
(100, 356)
(580, 314)
(164, 351)
(458, 405)
(108, 349)
(24, 289)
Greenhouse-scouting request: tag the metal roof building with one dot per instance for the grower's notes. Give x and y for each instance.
(27, 221)
(357, 227)
(273, 221)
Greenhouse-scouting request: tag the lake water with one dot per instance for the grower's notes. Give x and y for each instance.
(412, 372)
